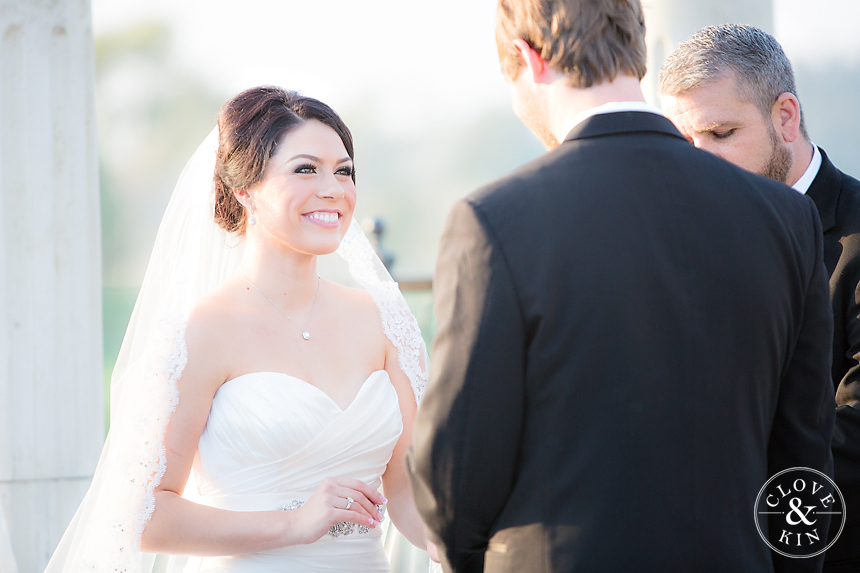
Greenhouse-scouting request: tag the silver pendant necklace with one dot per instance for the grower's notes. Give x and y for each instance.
(305, 334)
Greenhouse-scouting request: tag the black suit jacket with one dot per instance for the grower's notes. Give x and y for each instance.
(633, 335)
(837, 197)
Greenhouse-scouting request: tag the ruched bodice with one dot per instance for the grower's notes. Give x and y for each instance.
(271, 439)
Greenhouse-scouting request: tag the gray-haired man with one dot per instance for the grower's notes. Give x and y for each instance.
(730, 90)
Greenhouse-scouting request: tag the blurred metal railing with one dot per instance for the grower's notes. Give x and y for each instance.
(375, 229)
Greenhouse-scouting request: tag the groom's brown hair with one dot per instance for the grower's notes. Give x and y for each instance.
(591, 41)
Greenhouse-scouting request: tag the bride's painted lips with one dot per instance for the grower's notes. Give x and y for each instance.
(324, 218)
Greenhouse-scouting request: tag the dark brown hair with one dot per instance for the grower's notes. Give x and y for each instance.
(590, 41)
(250, 126)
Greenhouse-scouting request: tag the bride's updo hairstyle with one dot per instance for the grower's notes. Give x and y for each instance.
(250, 126)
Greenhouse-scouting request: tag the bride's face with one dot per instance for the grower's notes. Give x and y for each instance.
(306, 198)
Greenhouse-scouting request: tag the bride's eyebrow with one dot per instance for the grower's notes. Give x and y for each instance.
(317, 159)
(304, 156)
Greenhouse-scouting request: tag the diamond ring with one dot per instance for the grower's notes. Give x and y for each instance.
(349, 501)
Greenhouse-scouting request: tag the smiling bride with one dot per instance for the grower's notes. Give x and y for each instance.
(256, 408)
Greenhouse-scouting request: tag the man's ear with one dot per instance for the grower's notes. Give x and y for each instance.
(538, 69)
(785, 115)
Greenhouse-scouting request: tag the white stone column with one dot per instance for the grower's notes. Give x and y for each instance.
(7, 557)
(670, 22)
(51, 395)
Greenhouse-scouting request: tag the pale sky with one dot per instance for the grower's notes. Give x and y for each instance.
(814, 31)
(422, 62)
(421, 65)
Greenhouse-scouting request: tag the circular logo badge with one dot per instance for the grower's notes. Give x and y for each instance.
(791, 512)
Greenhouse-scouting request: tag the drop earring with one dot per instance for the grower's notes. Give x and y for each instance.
(252, 220)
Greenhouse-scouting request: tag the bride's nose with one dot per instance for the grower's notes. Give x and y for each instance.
(330, 188)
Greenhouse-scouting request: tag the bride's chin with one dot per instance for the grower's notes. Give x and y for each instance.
(316, 244)
(326, 250)
(321, 248)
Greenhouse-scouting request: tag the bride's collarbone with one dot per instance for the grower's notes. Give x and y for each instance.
(319, 361)
(344, 347)
(339, 316)
(331, 360)
(310, 346)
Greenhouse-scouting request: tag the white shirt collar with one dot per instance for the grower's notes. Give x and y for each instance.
(613, 107)
(802, 185)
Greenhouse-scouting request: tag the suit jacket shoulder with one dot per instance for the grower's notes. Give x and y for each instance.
(837, 197)
(596, 160)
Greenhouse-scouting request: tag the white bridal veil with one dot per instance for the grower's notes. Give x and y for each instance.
(192, 254)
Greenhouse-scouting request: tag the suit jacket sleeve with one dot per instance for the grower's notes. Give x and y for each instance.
(467, 432)
(848, 391)
(803, 423)
(846, 434)
(846, 445)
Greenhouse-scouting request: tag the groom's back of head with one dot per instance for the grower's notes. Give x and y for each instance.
(590, 41)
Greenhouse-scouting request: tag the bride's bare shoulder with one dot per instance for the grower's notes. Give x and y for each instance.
(217, 310)
(212, 324)
(355, 303)
(350, 294)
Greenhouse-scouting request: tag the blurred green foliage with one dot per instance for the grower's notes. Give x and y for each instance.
(151, 115)
(149, 40)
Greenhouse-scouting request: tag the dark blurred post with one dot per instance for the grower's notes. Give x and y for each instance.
(375, 228)
(670, 22)
(51, 394)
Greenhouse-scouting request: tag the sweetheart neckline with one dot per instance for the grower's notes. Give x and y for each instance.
(306, 383)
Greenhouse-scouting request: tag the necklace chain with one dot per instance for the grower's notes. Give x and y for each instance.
(305, 334)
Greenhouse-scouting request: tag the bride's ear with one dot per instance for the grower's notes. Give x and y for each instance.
(243, 196)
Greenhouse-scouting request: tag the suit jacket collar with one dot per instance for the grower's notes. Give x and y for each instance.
(622, 122)
(824, 191)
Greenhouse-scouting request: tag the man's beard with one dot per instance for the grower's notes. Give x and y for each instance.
(534, 118)
(539, 127)
(780, 161)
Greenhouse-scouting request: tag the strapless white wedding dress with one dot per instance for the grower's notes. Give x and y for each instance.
(271, 440)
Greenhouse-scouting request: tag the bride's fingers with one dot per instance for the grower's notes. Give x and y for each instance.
(373, 495)
(360, 503)
(351, 516)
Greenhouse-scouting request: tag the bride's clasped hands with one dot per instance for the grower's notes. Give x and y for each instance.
(337, 500)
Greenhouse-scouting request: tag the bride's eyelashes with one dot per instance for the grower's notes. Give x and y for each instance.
(309, 169)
